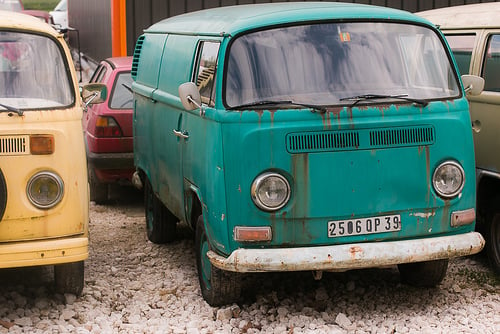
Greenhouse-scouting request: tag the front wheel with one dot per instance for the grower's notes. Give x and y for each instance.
(423, 274)
(218, 287)
(69, 277)
(161, 224)
(493, 242)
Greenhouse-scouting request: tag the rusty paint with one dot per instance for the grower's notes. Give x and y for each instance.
(327, 123)
(428, 173)
(355, 250)
(300, 172)
(445, 219)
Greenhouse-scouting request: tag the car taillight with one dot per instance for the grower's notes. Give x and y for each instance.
(107, 127)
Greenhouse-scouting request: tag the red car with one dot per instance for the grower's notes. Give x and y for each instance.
(108, 129)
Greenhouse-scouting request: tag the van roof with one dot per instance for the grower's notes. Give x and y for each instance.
(481, 15)
(231, 20)
(19, 21)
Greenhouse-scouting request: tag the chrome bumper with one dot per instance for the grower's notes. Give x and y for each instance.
(349, 256)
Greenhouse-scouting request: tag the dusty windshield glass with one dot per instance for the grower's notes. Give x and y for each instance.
(325, 64)
(33, 73)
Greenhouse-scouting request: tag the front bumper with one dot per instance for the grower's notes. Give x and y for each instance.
(111, 160)
(349, 256)
(43, 252)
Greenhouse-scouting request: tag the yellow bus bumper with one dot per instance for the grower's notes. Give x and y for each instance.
(43, 252)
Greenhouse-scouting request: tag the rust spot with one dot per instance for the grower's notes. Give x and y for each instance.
(300, 170)
(331, 113)
(428, 172)
(355, 250)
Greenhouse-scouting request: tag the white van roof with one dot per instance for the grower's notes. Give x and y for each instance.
(481, 15)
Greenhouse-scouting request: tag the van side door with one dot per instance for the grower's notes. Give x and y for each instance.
(176, 66)
(485, 108)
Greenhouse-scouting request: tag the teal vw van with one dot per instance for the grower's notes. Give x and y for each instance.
(305, 136)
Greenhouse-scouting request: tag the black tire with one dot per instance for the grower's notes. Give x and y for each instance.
(493, 242)
(161, 224)
(3, 195)
(98, 191)
(423, 274)
(69, 277)
(218, 287)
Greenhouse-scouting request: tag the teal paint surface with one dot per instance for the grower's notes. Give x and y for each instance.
(226, 150)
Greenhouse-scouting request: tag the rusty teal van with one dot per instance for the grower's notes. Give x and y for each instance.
(305, 137)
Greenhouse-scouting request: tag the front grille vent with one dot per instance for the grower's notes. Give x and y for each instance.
(14, 145)
(322, 141)
(135, 60)
(402, 137)
(362, 139)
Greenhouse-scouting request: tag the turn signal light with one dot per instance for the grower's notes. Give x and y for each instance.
(42, 144)
(252, 234)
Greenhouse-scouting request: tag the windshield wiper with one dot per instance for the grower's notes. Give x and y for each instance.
(264, 103)
(11, 109)
(128, 88)
(364, 97)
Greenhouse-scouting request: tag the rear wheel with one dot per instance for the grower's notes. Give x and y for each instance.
(161, 224)
(98, 190)
(218, 287)
(69, 277)
(493, 242)
(423, 274)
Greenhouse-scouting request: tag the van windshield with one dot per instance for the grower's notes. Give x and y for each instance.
(33, 73)
(336, 63)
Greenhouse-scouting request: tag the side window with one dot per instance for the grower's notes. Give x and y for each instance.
(121, 95)
(462, 46)
(98, 74)
(205, 71)
(491, 65)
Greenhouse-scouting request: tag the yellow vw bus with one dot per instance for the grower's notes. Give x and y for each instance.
(43, 179)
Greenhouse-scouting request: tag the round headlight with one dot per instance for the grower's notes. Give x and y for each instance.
(45, 190)
(448, 179)
(270, 191)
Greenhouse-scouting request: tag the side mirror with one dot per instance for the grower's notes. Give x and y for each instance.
(94, 93)
(473, 84)
(190, 96)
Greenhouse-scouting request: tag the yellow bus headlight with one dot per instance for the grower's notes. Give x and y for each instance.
(45, 190)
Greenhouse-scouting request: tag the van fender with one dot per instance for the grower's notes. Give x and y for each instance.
(193, 204)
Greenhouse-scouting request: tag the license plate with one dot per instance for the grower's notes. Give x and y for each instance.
(362, 226)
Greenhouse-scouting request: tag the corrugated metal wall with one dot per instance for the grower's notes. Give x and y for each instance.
(93, 18)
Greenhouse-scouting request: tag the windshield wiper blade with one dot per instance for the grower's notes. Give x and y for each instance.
(364, 97)
(279, 102)
(128, 88)
(12, 109)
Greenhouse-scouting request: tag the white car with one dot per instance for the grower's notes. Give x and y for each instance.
(60, 14)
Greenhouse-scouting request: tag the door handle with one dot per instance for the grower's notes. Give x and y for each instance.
(181, 134)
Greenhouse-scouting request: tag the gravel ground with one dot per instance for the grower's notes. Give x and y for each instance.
(134, 286)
